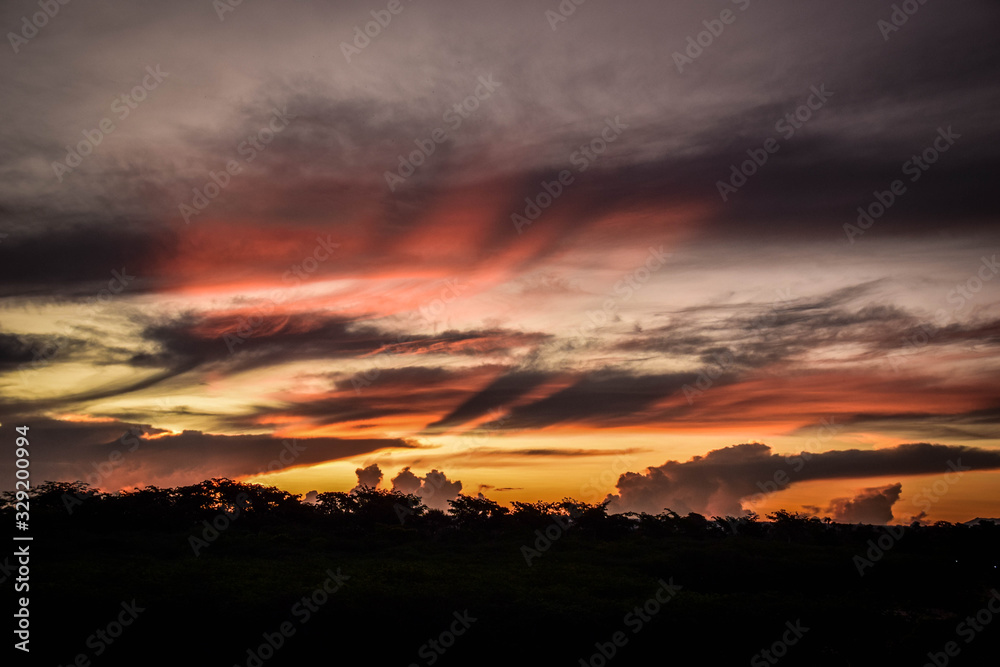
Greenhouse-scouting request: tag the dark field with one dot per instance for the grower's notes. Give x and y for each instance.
(727, 589)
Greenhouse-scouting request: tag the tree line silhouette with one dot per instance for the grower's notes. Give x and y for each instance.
(364, 508)
(557, 576)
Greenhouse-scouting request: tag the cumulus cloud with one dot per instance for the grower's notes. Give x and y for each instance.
(872, 505)
(712, 483)
(406, 481)
(370, 476)
(434, 489)
(718, 482)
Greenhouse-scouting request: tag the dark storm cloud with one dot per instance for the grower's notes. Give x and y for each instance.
(502, 391)
(354, 406)
(872, 505)
(254, 340)
(975, 333)
(606, 397)
(758, 335)
(112, 454)
(26, 352)
(718, 481)
(80, 260)
(467, 342)
(94, 436)
(247, 341)
(574, 453)
(841, 308)
(364, 396)
(401, 379)
(972, 425)
(684, 132)
(351, 121)
(910, 459)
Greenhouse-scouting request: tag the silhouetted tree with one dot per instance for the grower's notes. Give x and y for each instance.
(366, 506)
(533, 515)
(476, 512)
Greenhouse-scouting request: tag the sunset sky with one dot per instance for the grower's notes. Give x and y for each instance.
(532, 252)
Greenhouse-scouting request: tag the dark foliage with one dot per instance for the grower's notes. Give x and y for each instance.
(221, 563)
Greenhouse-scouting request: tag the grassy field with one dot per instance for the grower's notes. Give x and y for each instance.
(399, 589)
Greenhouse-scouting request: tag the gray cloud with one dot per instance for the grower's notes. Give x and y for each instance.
(607, 397)
(500, 392)
(434, 488)
(370, 476)
(353, 120)
(113, 454)
(717, 482)
(873, 505)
